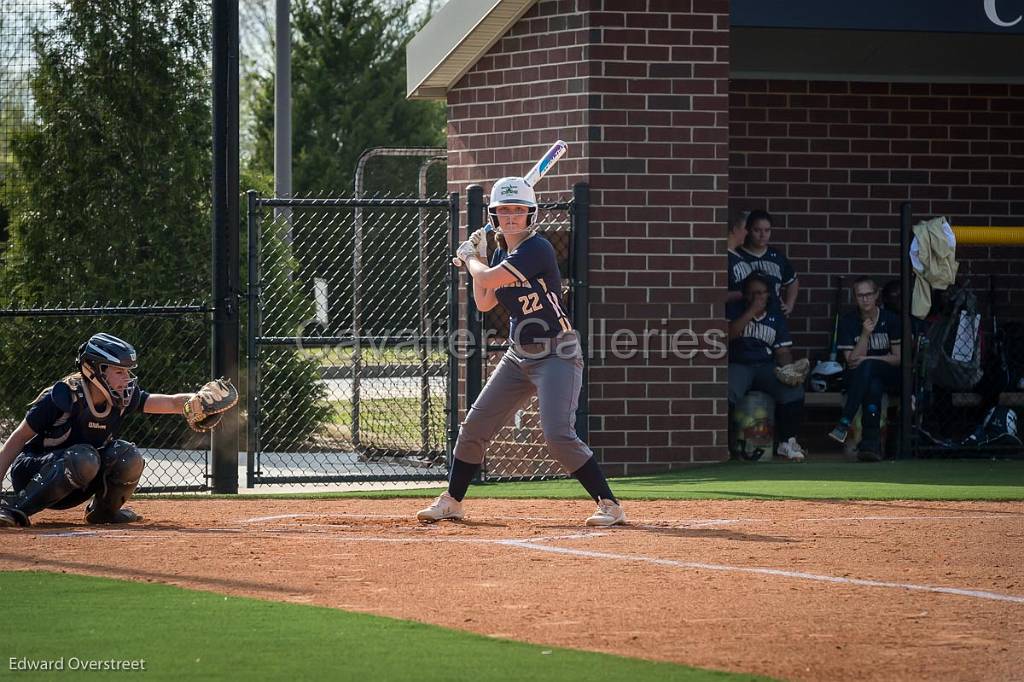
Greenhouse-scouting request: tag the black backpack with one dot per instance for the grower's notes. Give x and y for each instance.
(954, 349)
(1013, 347)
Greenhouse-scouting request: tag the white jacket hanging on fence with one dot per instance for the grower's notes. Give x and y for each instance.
(933, 255)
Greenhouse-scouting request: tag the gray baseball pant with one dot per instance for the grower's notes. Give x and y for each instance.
(555, 373)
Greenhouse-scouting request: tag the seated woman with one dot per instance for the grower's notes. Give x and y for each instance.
(758, 339)
(870, 340)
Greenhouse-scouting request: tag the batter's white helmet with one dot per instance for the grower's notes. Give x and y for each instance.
(512, 192)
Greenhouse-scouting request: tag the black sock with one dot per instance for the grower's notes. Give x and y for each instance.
(592, 478)
(460, 476)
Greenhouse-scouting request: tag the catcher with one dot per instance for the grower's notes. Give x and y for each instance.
(66, 451)
(760, 358)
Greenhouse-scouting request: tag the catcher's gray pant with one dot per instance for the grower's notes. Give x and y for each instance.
(555, 373)
(760, 377)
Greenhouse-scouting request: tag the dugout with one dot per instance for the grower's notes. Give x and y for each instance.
(830, 116)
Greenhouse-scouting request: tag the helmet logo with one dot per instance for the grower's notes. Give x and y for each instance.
(509, 190)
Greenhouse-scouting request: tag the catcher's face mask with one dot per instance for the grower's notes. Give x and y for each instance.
(116, 383)
(107, 362)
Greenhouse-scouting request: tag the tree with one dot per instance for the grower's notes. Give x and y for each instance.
(348, 92)
(114, 178)
(112, 199)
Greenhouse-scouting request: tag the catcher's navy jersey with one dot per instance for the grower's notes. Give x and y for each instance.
(761, 337)
(773, 265)
(887, 332)
(534, 300)
(739, 270)
(63, 417)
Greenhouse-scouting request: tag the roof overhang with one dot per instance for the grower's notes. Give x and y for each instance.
(894, 56)
(453, 40)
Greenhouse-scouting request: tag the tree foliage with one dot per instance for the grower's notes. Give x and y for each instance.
(348, 92)
(111, 203)
(113, 178)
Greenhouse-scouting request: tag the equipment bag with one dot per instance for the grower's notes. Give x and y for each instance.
(954, 348)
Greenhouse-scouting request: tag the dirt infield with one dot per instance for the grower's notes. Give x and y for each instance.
(795, 590)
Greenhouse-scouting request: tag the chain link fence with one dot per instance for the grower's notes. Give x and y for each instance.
(19, 22)
(518, 451)
(39, 346)
(348, 358)
(969, 371)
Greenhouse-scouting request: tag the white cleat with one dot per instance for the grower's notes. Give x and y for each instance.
(444, 507)
(608, 514)
(791, 451)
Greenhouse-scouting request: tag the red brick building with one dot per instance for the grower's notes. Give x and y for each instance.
(673, 118)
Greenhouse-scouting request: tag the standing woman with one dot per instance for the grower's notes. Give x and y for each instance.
(544, 357)
(66, 450)
(739, 269)
(770, 262)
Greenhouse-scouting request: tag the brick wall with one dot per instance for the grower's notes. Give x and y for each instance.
(639, 90)
(524, 94)
(659, 93)
(834, 161)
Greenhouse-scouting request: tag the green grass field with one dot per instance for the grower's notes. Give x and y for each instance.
(186, 634)
(896, 480)
(392, 422)
(341, 356)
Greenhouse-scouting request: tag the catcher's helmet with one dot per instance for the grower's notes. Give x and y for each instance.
(101, 352)
(511, 192)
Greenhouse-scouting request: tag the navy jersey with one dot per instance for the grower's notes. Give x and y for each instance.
(761, 337)
(887, 332)
(773, 265)
(534, 300)
(739, 269)
(63, 416)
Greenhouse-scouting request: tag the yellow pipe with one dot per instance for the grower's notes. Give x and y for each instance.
(989, 236)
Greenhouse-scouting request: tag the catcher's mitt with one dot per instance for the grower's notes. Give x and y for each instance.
(204, 410)
(794, 373)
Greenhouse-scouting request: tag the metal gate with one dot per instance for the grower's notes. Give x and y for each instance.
(347, 353)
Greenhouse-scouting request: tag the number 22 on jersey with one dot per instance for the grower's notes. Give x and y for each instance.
(531, 303)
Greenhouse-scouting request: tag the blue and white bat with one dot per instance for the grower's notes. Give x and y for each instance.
(539, 170)
(550, 158)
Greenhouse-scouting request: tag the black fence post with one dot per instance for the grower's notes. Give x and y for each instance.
(453, 328)
(226, 287)
(252, 331)
(909, 339)
(580, 275)
(474, 322)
